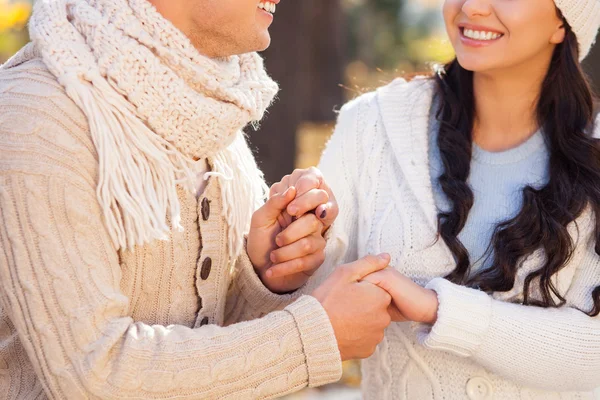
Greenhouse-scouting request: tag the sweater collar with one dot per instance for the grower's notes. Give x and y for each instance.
(405, 114)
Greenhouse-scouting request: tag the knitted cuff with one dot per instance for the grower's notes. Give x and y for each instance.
(463, 320)
(323, 358)
(258, 296)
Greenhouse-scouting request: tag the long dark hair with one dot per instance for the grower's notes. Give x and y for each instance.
(565, 114)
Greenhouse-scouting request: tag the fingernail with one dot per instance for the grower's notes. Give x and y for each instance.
(384, 257)
(269, 273)
(272, 257)
(323, 214)
(278, 241)
(292, 209)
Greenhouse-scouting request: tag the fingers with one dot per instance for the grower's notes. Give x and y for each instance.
(384, 279)
(307, 180)
(367, 265)
(327, 213)
(305, 226)
(319, 197)
(308, 265)
(272, 209)
(303, 247)
(280, 186)
(307, 202)
(377, 294)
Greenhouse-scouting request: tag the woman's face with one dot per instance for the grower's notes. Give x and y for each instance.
(490, 35)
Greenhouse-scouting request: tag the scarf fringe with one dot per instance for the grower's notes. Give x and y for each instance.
(240, 179)
(133, 161)
(138, 172)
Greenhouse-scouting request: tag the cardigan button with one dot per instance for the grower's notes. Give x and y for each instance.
(206, 267)
(205, 209)
(479, 388)
(204, 321)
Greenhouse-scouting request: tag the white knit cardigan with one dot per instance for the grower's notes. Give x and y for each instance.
(482, 346)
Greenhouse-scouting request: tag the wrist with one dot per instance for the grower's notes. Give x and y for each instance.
(259, 265)
(432, 307)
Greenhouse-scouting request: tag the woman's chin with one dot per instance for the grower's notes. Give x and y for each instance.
(475, 63)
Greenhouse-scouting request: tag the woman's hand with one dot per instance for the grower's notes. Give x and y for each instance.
(309, 184)
(410, 302)
(286, 251)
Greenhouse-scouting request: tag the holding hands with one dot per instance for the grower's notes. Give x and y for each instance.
(285, 242)
(410, 301)
(286, 246)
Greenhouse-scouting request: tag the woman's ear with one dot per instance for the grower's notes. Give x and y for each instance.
(559, 35)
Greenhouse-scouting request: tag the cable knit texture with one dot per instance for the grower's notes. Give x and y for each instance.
(82, 319)
(149, 96)
(482, 346)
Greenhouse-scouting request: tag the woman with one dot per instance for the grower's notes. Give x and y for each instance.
(483, 183)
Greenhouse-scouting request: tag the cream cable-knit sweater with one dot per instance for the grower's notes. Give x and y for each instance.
(80, 320)
(482, 347)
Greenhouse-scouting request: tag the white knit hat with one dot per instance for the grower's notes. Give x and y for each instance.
(584, 18)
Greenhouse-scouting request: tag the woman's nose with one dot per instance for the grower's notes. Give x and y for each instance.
(477, 8)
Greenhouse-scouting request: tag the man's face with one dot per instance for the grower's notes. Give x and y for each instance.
(220, 28)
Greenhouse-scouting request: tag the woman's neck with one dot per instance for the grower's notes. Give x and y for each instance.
(505, 106)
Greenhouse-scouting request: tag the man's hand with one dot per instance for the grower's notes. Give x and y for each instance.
(358, 310)
(286, 252)
(410, 302)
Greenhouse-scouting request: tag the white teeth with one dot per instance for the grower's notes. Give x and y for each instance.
(481, 35)
(267, 6)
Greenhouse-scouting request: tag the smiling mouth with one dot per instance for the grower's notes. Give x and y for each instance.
(268, 6)
(484, 36)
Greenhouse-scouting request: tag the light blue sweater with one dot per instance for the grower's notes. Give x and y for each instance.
(497, 180)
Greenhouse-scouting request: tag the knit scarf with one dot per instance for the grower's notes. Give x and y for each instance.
(154, 103)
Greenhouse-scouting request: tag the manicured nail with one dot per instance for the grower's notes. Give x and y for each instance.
(323, 214)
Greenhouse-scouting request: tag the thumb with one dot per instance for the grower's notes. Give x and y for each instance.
(368, 265)
(395, 313)
(383, 278)
(271, 210)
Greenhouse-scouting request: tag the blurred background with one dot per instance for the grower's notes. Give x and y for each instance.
(324, 53)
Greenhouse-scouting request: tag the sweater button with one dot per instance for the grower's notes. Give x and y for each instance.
(206, 267)
(479, 388)
(205, 209)
(204, 321)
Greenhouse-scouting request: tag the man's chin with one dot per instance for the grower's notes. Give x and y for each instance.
(265, 42)
(261, 43)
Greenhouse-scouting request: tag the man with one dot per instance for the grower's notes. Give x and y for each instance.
(126, 190)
